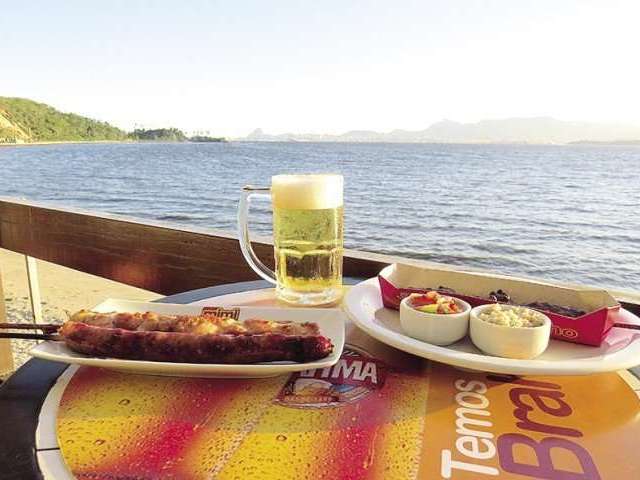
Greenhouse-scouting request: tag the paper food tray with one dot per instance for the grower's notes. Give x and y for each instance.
(398, 281)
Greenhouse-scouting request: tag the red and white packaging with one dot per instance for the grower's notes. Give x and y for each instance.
(397, 281)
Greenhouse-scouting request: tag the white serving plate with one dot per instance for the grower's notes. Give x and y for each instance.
(620, 350)
(331, 323)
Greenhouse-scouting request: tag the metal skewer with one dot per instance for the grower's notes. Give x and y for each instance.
(29, 336)
(48, 331)
(45, 327)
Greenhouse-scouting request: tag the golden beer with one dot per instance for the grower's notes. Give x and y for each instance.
(308, 248)
(308, 225)
(307, 231)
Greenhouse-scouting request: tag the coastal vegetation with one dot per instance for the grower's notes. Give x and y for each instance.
(206, 139)
(170, 135)
(25, 121)
(159, 135)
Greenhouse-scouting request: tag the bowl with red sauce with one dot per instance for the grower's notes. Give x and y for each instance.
(434, 318)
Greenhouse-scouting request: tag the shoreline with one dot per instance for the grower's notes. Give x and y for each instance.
(244, 140)
(65, 142)
(98, 142)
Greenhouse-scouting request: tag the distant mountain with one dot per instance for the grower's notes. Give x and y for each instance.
(614, 142)
(536, 130)
(24, 121)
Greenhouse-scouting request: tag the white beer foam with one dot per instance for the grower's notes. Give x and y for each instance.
(307, 192)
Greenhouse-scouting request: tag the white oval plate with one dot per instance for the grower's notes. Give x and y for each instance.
(331, 323)
(620, 350)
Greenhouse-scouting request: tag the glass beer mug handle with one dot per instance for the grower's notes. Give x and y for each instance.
(249, 192)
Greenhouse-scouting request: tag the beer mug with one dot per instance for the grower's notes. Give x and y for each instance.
(307, 234)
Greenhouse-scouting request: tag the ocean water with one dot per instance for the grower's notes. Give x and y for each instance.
(557, 212)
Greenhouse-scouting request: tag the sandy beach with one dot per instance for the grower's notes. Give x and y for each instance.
(61, 290)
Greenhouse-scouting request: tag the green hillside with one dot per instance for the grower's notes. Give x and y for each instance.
(23, 120)
(158, 135)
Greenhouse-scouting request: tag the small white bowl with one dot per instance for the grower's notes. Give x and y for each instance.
(436, 328)
(509, 342)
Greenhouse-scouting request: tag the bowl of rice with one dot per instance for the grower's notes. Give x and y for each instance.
(509, 331)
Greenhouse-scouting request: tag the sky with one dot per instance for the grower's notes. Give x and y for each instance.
(323, 66)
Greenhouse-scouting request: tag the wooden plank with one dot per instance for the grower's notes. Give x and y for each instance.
(6, 354)
(157, 256)
(34, 288)
(160, 257)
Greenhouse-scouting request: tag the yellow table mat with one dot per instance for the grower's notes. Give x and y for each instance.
(376, 414)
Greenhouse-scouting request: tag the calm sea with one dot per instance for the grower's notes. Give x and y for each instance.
(557, 212)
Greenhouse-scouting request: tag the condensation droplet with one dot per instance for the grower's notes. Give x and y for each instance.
(281, 438)
(124, 401)
(99, 441)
